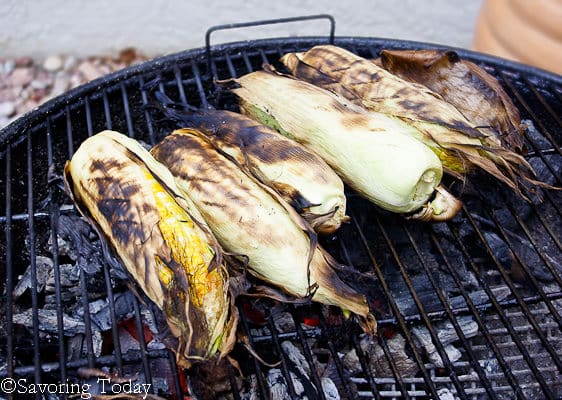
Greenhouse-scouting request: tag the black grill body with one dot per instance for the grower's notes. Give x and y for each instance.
(505, 250)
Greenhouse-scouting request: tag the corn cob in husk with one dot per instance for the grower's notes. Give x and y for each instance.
(459, 144)
(159, 237)
(253, 221)
(473, 91)
(301, 177)
(373, 153)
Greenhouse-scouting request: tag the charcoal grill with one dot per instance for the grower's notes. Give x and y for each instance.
(496, 265)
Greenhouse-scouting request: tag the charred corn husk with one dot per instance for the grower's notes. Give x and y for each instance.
(250, 220)
(459, 144)
(301, 177)
(158, 235)
(370, 151)
(473, 91)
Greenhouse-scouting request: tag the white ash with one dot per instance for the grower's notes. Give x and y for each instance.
(479, 297)
(446, 394)
(74, 347)
(296, 357)
(330, 389)
(377, 361)
(48, 322)
(127, 342)
(278, 390)
(300, 374)
(43, 268)
(97, 343)
(250, 389)
(69, 279)
(100, 312)
(446, 335)
(284, 322)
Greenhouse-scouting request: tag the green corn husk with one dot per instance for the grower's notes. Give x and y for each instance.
(302, 178)
(252, 221)
(371, 152)
(159, 237)
(460, 145)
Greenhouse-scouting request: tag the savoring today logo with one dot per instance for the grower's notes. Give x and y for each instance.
(104, 386)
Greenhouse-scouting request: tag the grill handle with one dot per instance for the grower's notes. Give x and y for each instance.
(265, 22)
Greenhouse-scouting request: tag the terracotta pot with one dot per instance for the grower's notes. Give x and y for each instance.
(528, 31)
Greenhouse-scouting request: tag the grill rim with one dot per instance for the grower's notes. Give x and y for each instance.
(51, 107)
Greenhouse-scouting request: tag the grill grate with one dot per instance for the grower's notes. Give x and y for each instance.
(516, 351)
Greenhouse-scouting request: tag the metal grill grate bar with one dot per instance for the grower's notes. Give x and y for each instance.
(108, 123)
(147, 116)
(543, 102)
(33, 265)
(54, 213)
(524, 266)
(367, 370)
(336, 359)
(474, 362)
(200, 91)
(308, 357)
(422, 312)
(262, 385)
(128, 117)
(475, 313)
(282, 357)
(497, 306)
(9, 266)
(539, 123)
(87, 320)
(89, 128)
(514, 291)
(142, 343)
(395, 310)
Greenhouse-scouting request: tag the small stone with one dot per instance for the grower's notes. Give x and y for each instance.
(7, 109)
(60, 85)
(4, 122)
(53, 63)
(76, 80)
(9, 94)
(70, 63)
(89, 71)
(21, 76)
(9, 66)
(24, 62)
(28, 106)
(39, 84)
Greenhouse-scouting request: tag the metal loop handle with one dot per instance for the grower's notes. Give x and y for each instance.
(265, 22)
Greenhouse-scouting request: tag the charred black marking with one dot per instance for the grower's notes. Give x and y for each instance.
(213, 204)
(452, 56)
(103, 184)
(123, 220)
(106, 165)
(148, 209)
(411, 105)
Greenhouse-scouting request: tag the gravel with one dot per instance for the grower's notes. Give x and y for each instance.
(26, 83)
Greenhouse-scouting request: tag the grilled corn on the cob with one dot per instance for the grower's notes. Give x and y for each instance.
(301, 177)
(158, 235)
(473, 91)
(459, 144)
(372, 152)
(252, 221)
